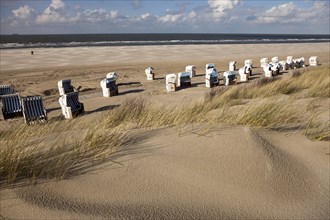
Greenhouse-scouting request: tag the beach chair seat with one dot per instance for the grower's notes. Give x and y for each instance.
(11, 106)
(33, 110)
(248, 62)
(150, 72)
(232, 65)
(171, 82)
(70, 105)
(184, 79)
(64, 86)
(212, 79)
(313, 61)
(284, 65)
(210, 67)
(6, 90)
(230, 77)
(192, 70)
(264, 62)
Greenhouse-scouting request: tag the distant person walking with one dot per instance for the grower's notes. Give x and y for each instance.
(31, 52)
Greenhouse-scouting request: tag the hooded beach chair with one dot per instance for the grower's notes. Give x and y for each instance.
(264, 62)
(64, 86)
(244, 73)
(232, 65)
(299, 63)
(209, 68)
(289, 63)
(33, 110)
(230, 77)
(192, 70)
(313, 61)
(6, 90)
(268, 71)
(11, 106)
(275, 66)
(70, 105)
(150, 72)
(283, 64)
(184, 79)
(109, 86)
(171, 82)
(211, 79)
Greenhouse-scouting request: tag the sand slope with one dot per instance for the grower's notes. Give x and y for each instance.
(230, 172)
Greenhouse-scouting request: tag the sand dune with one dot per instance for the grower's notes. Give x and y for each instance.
(232, 172)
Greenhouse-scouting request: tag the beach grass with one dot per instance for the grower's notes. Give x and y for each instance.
(61, 147)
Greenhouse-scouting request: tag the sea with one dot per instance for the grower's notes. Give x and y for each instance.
(91, 40)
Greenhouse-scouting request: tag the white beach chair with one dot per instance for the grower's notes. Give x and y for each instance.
(289, 62)
(313, 61)
(284, 65)
(150, 72)
(230, 77)
(11, 106)
(243, 74)
(184, 79)
(70, 105)
(232, 65)
(6, 90)
(275, 60)
(171, 82)
(298, 63)
(64, 86)
(264, 62)
(209, 68)
(192, 70)
(268, 71)
(33, 110)
(248, 62)
(108, 85)
(211, 79)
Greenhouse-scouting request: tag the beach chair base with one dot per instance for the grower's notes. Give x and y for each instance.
(171, 87)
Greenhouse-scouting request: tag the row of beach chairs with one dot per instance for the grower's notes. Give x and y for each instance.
(32, 107)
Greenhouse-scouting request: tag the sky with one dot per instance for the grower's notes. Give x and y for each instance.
(164, 16)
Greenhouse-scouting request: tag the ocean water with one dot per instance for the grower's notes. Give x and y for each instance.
(75, 40)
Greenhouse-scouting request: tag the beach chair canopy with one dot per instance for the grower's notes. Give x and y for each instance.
(248, 62)
(112, 75)
(289, 59)
(33, 109)
(275, 60)
(184, 75)
(149, 70)
(6, 89)
(264, 62)
(64, 86)
(210, 66)
(190, 68)
(170, 78)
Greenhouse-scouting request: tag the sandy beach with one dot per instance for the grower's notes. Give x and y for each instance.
(228, 172)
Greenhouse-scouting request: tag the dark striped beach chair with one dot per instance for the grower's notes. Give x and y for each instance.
(33, 110)
(70, 105)
(6, 90)
(11, 106)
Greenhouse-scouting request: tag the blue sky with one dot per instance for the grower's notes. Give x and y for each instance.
(164, 16)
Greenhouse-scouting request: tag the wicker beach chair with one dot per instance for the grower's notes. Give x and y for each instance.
(210, 67)
(150, 72)
(70, 105)
(192, 70)
(230, 77)
(33, 110)
(313, 61)
(171, 82)
(109, 86)
(211, 79)
(248, 62)
(11, 106)
(289, 63)
(184, 79)
(264, 62)
(232, 65)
